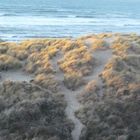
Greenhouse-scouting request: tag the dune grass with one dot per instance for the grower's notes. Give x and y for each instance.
(78, 60)
(28, 112)
(47, 81)
(8, 62)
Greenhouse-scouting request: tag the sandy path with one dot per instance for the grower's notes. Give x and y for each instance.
(72, 106)
(71, 96)
(15, 75)
(102, 56)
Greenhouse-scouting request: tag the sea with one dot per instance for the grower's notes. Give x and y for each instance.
(22, 19)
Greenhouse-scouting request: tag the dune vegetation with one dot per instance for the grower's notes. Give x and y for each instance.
(111, 107)
(28, 112)
(47, 81)
(9, 62)
(106, 93)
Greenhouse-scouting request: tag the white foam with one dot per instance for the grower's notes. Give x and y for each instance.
(11, 21)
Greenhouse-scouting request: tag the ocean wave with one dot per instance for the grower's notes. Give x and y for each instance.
(54, 14)
(9, 14)
(65, 21)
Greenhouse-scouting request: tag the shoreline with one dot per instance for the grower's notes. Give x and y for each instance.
(65, 37)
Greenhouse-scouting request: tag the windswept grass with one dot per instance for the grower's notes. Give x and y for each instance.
(3, 49)
(78, 60)
(47, 81)
(52, 51)
(99, 44)
(126, 44)
(73, 80)
(39, 63)
(70, 45)
(9, 62)
(28, 112)
(18, 52)
(114, 114)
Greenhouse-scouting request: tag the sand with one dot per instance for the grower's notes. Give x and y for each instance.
(15, 75)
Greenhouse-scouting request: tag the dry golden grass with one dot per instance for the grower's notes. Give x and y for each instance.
(99, 44)
(50, 46)
(121, 72)
(134, 88)
(34, 44)
(35, 53)
(97, 36)
(13, 49)
(70, 45)
(59, 43)
(3, 49)
(4, 46)
(43, 43)
(115, 114)
(47, 81)
(105, 35)
(112, 71)
(133, 61)
(126, 44)
(78, 60)
(9, 62)
(18, 52)
(52, 51)
(91, 93)
(83, 38)
(120, 48)
(38, 63)
(73, 81)
(138, 41)
(8, 44)
(91, 87)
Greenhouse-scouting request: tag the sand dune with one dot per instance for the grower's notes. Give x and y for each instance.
(81, 72)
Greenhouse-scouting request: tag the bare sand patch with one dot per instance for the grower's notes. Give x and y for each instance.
(15, 75)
